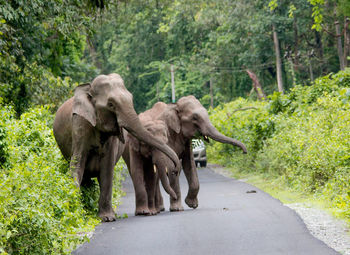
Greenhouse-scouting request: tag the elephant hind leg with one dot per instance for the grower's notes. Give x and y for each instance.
(159, 199)
(137, 177)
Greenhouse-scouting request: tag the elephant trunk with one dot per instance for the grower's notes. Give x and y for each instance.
(213, 133)
(132, 124)
(162, 172)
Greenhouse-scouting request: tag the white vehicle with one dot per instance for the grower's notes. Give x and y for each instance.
(199, 152)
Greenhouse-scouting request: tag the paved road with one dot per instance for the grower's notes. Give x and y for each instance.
(228, 221)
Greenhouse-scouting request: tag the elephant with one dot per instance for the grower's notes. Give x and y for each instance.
(88, 129)
(146, 166)
(185, 120)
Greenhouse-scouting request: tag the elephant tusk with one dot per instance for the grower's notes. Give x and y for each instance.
(155, 169)
(166, 170)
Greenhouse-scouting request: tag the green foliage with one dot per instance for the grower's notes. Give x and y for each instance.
(40, 208)
(41, 88)
(301, 138)
(211, 40)
(39, 41)
(91, 192)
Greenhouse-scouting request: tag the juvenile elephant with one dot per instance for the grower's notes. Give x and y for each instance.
(185, 120)
(89, 132)
(146, 166)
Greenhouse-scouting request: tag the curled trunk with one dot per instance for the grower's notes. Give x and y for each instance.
(163, 167)
(213, 133)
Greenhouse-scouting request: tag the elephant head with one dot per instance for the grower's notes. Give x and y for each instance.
(191, 118)
(162, 165)
(108, 106)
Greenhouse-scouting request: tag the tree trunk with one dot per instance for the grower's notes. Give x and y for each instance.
(339, 45)
(296, 44)
(346, 41)
(291, 65)
(211, 93)
(339, 41)
(278, 59)
(310, 68)
(93, 53)
(319, 49)
(256, 85)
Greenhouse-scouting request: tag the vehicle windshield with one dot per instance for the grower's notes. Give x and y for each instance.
(197, 143)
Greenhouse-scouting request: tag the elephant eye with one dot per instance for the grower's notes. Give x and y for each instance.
(195, 116)
(110, 105)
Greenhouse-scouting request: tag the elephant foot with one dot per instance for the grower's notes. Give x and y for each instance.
(142, 211)
(153, 211)
(160, 208)
(176, 206)
(192, 202)
(107, 216)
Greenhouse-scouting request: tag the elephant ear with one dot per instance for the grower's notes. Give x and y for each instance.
(171, 116)
(82, 104)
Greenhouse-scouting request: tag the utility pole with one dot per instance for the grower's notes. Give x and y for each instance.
(172, 83)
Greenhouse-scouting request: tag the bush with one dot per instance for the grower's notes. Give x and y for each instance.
(246, 121)
(302, 138)
(40, 208)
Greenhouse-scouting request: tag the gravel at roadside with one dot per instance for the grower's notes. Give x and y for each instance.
(322, 225)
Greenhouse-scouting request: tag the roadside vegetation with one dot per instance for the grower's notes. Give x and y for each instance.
(300, 139)
(41, 210)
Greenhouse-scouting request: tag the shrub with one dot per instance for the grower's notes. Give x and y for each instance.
(302, 138)
(40, 208)
(246, 121)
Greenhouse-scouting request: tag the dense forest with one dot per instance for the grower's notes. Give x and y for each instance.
(49, 46)
(271, 73)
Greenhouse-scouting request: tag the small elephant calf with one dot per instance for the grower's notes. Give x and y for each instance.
(147, 165)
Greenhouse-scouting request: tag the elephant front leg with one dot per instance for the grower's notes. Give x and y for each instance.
(77, 166)
(105, 178)
(176, 204)
(80, 149)
(105, 209)
(137, 177)
(190, 171)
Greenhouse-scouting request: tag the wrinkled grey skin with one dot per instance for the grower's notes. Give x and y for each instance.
(146, 166)
(89, 132)
(185, 120)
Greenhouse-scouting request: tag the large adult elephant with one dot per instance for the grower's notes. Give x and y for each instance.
(185, 120)
(89, 132)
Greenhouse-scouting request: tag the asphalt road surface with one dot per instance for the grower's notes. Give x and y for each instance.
(228, 220)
